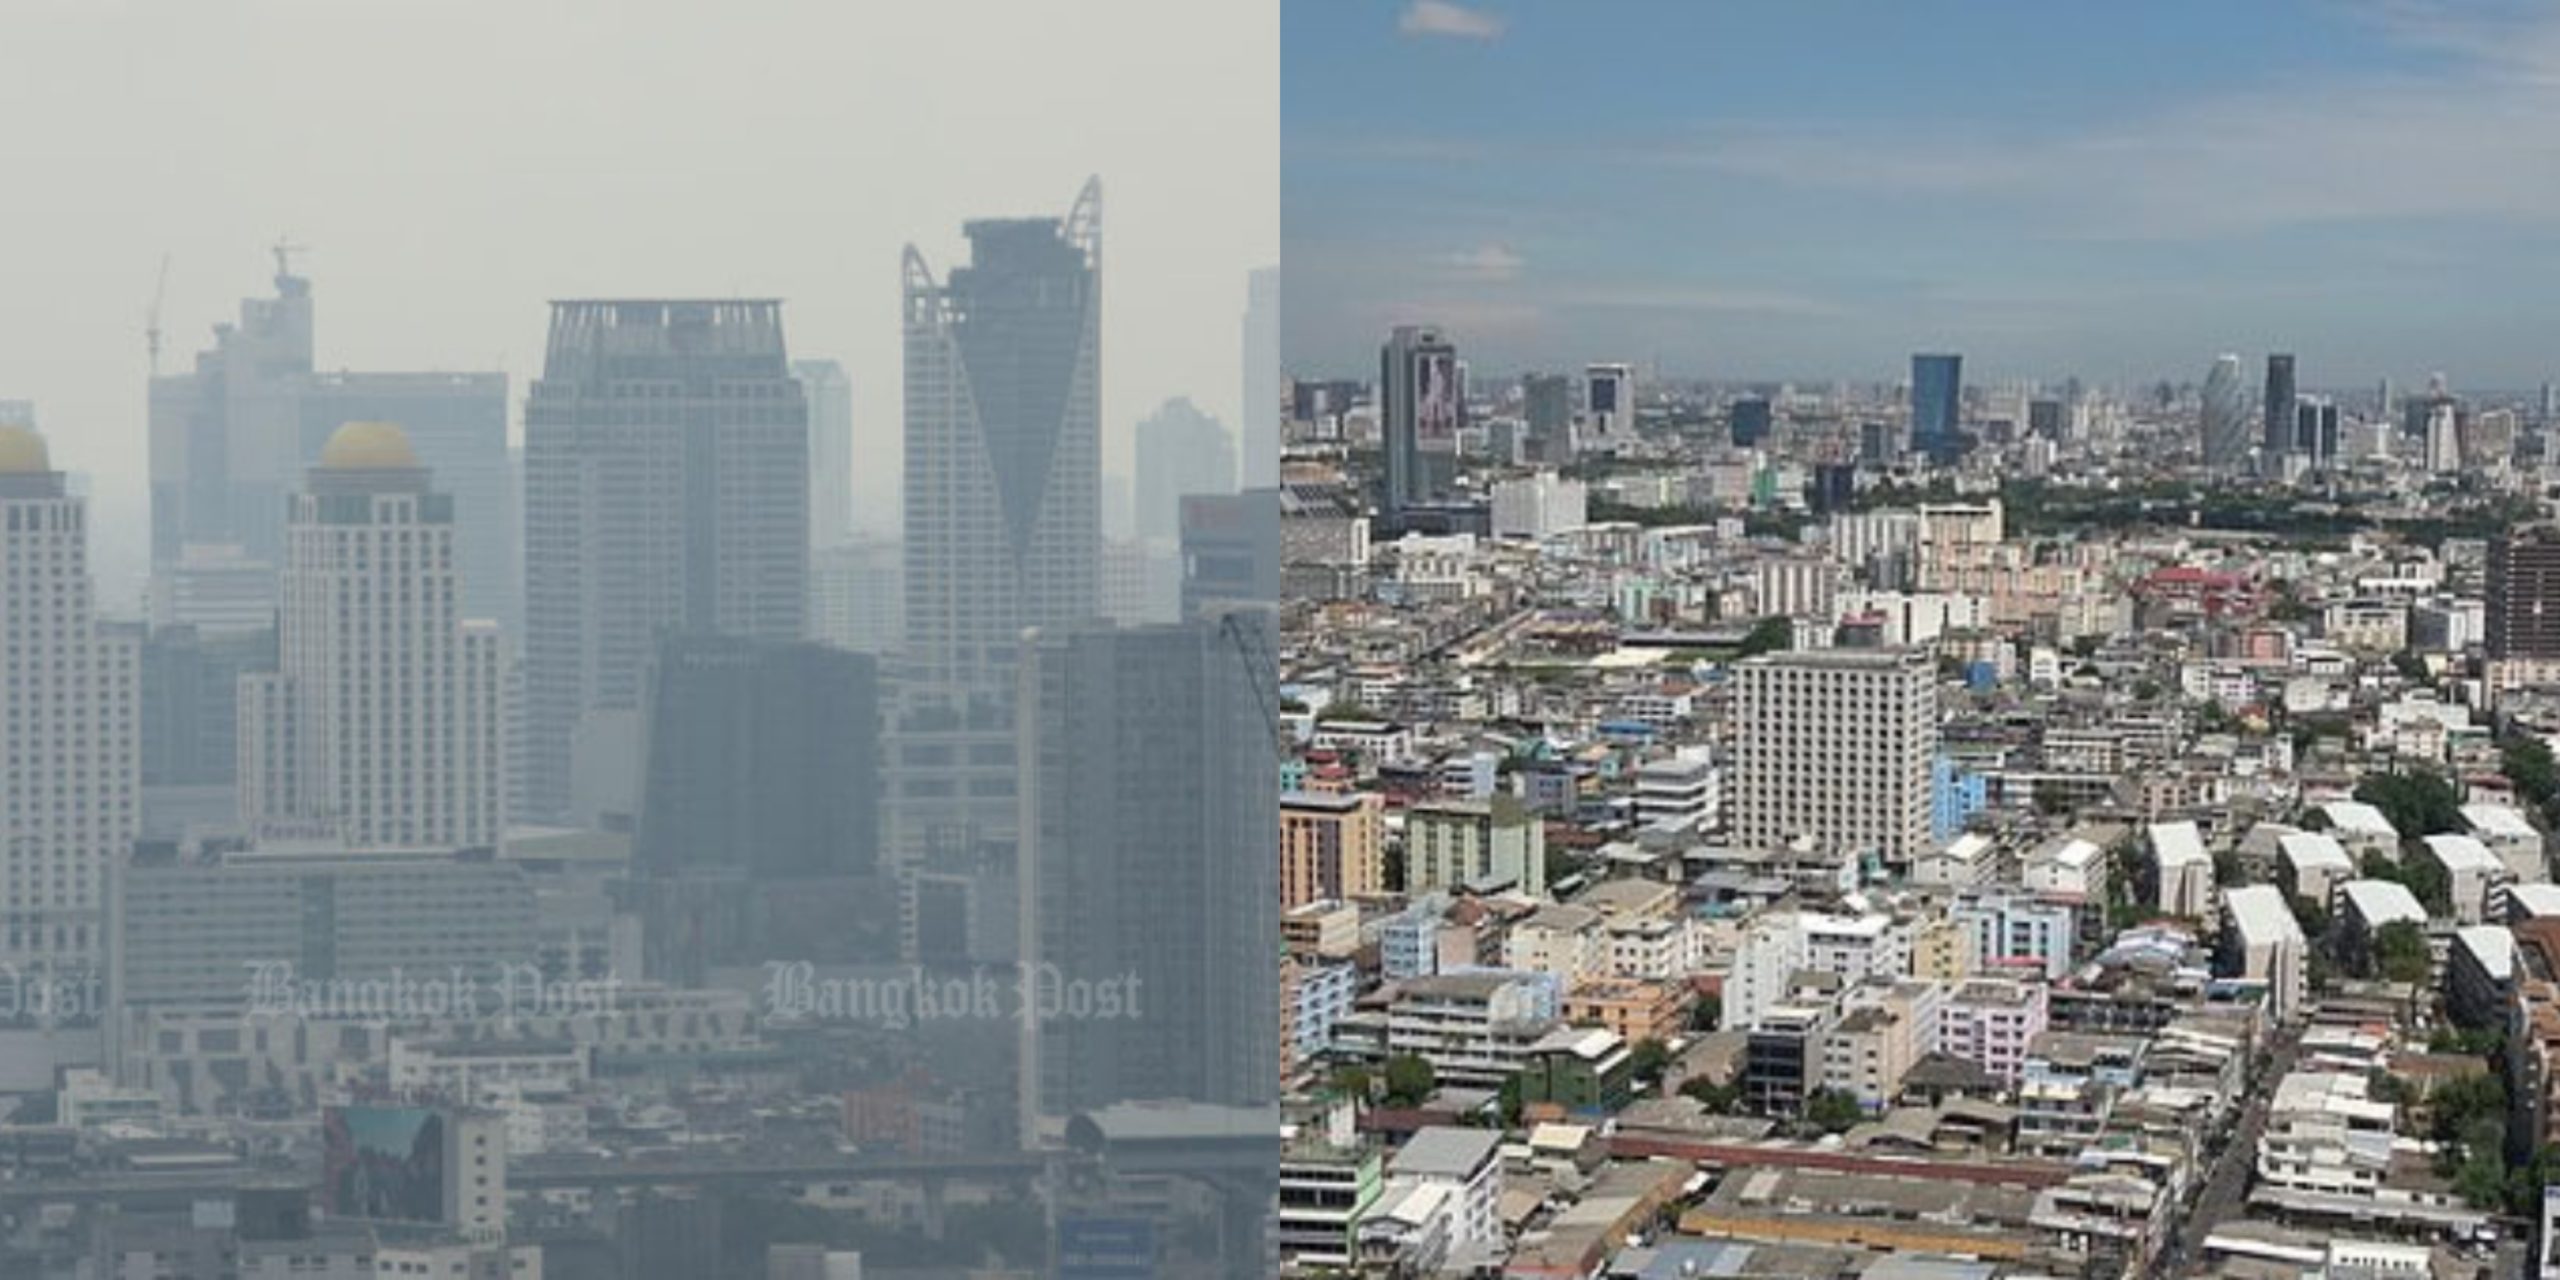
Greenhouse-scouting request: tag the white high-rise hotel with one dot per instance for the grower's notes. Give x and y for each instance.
(1835, 745)
(69, 723)
(380, 727)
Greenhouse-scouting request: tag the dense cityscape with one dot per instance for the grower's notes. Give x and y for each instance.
(1935, 829)
(1828, 641)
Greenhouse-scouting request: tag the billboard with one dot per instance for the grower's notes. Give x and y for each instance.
(1436, 403)
(383, 1164)
(1106, 1249)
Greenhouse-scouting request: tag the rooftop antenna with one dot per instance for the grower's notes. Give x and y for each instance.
(284, 249)
(151, 318)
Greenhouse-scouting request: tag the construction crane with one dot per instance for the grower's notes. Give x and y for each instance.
(151, 318)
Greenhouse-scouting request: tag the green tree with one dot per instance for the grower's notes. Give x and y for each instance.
(1706, 1013)
(2418, 803)
(1647, 1059)
(2400, 952)
(1410, 1079)
(1833, 1111)
(1719, 1099)
(1768, 635)
(2527, 761)
(1352, 1080)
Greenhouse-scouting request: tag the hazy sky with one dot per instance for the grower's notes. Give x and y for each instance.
(455, 164)
(1819, 187)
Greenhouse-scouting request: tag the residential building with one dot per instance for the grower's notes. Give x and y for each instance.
(69, 724)
(381, 725)
(1452, 844)
(2264, 943)
(1835, 746)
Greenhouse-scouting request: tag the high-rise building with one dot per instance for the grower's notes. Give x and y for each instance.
(1835, 745)
(2315, 431)
(69, 718)
(1332, 846)
(380, 726)
(1003, 482)
(1261, 445)
(1750, 419)
(2225, 425)
(2048, 420)
(762, 760)
(225, 437)
(1150, 832)
(1230, 552)
(457, 424)
(2276, 437)
(191, 703)
(1546, 402)
(1181, 451)
(665, 483)
(1420, 410)
(2524, 593)
(216, 589)
(1937, 406)
(1608, 406)
(857, 596)
(830, 397)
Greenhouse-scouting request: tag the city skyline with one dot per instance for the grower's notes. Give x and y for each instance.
(436, 235)
(2042, 179)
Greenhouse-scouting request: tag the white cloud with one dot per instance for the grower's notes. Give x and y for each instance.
(1487, 263)
(2471, 139)
(1447, 18)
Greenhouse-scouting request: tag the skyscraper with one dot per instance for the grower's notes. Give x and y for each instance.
(2225, 416)
(1003, 370)
(1749, 419)
(1608, 406)
(1151, 830)
(2524, 594)
(380, 726)
(68, 724)
(1835, 745)
(1181, 451)
(665, 482)
(1420, 410)
(1261, 445)
(762, 759)
(225, 438)
(830, 397)
(457, 423)
(1937, 407)
(2276, 437)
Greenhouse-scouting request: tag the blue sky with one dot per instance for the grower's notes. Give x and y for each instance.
(1816, 188)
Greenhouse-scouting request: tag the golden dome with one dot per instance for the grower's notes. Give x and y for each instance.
(368, 446)
(22, 453)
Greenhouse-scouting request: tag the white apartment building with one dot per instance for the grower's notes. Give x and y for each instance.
(1776, 945)
(1835, 746)
(69, 723)
(381, 726)
(1685, 791)
(1539, 507)
(2265, 944)
(2183, 868)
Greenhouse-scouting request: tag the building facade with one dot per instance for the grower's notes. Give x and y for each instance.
(1835, 746)
(70, 726)
(666, 486)
(381, 725)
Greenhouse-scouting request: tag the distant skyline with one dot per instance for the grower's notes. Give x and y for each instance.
(454, 166)
(1818, 189)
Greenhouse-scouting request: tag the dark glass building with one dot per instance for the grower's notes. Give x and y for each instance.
(762, 760)
(1751, 419)
(2279, 432)
(1937, 406)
